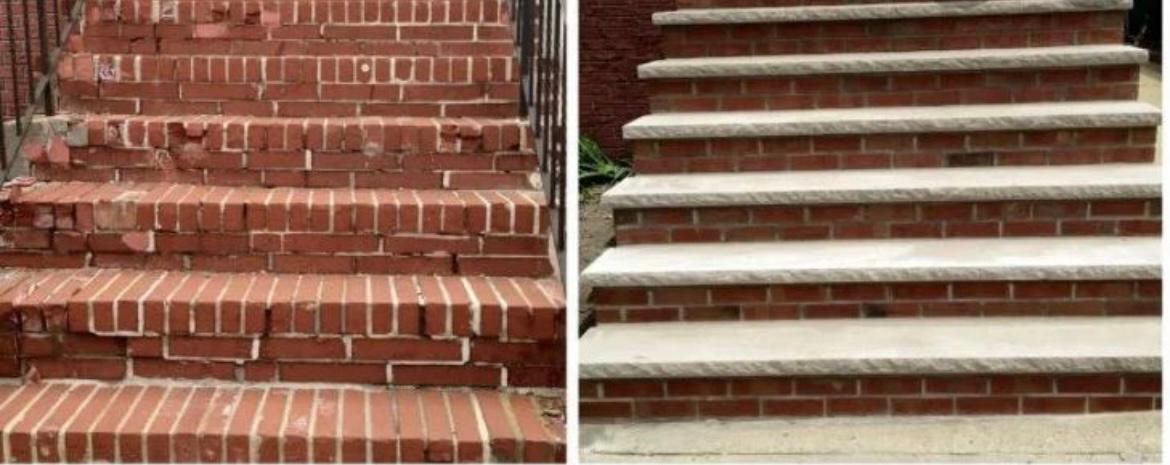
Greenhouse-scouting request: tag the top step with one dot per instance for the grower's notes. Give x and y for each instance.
(288, 12)
(882, 11)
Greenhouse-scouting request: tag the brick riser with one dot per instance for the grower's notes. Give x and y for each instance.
(400, 330)
(387, 153)
(681, 399)
(880, 151)
(286, 85)
(157, 424)
(877, 300)
(1113, 217)
(248, 229)
(896, 35)
(893, 89)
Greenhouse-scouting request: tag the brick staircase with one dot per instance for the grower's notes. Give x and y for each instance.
(283, 231)
(883, 208)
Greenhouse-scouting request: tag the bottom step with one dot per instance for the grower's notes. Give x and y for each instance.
(93, 422)
(1123, 437)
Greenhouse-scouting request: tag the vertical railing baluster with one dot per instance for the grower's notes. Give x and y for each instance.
(28, 54)
(12, 64)
(50, 103)
(3, 135)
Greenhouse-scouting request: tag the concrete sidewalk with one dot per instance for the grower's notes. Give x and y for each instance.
(1121, 437)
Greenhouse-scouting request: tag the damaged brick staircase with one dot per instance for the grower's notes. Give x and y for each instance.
(883, 208)
(283, 231)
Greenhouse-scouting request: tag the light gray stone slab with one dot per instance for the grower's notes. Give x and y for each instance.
(949, 118)
(881, 11)
(877, 260)
(1103, 437)
(1073, 182)
(895, 62)
(871, 347)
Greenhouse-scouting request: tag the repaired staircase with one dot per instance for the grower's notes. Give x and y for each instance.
(883, 208)
(283, 231)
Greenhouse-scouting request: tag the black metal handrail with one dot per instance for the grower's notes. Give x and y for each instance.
(539, 27)
(38, 67)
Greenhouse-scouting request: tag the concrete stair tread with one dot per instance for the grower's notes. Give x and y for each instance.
(881, 11)
(82, 421)
(951, 118)
(1075, 182)
(85, 298)
(894, 62)
(871, 347)
(878, 260)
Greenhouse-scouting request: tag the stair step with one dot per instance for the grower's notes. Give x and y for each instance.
(901, 260)
(895, 62)
(179, 226)
(882, 11)
(304, 12)
(916, 120)
(1077, 182)
(1101, 200)
(368, 329)
(872, 347)
(185, 422)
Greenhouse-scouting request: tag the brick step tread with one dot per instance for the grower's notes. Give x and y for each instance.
(366, 134)
(501, 49)
(950, 118)
(877, 261)
(872, 347)
(123, 302)
(219, 67)
(243, 12)
(1075, 182)
(84, 206)
(190, 422)
(881, 11)
(895, 62)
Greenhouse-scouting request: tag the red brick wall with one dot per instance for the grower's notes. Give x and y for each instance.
(616, 36)
(13, 28)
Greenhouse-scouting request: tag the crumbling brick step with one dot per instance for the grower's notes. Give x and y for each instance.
(816, 396)
(85, 422)
(289, 12)
(404, 330)
(177, 226)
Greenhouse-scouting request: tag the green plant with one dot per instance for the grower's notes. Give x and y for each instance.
(595, 168)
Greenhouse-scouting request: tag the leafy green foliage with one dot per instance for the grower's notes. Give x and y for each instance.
(595, 168)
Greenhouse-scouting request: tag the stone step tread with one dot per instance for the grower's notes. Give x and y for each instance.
(89, 206)
(949, 118)
(895, 62)
(194, 422)
(1074, 182)
(81, 294)
(872, 347)
(881, 11)
(878, 260)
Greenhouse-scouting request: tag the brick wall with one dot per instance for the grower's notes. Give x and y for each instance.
(12, 28)
(616, 36)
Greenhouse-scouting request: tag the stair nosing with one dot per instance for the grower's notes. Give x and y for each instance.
(938, 346)
(877, 260)
(880, 11)
(1074, 182)
(888, 120)
(894, 62)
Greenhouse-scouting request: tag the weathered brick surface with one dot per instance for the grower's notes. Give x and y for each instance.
(683, 398)
(878, 300)
(877, 151)
(404, 330)
(893, 89)
(79, 422)
(1013, 31)
(1036, 218)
